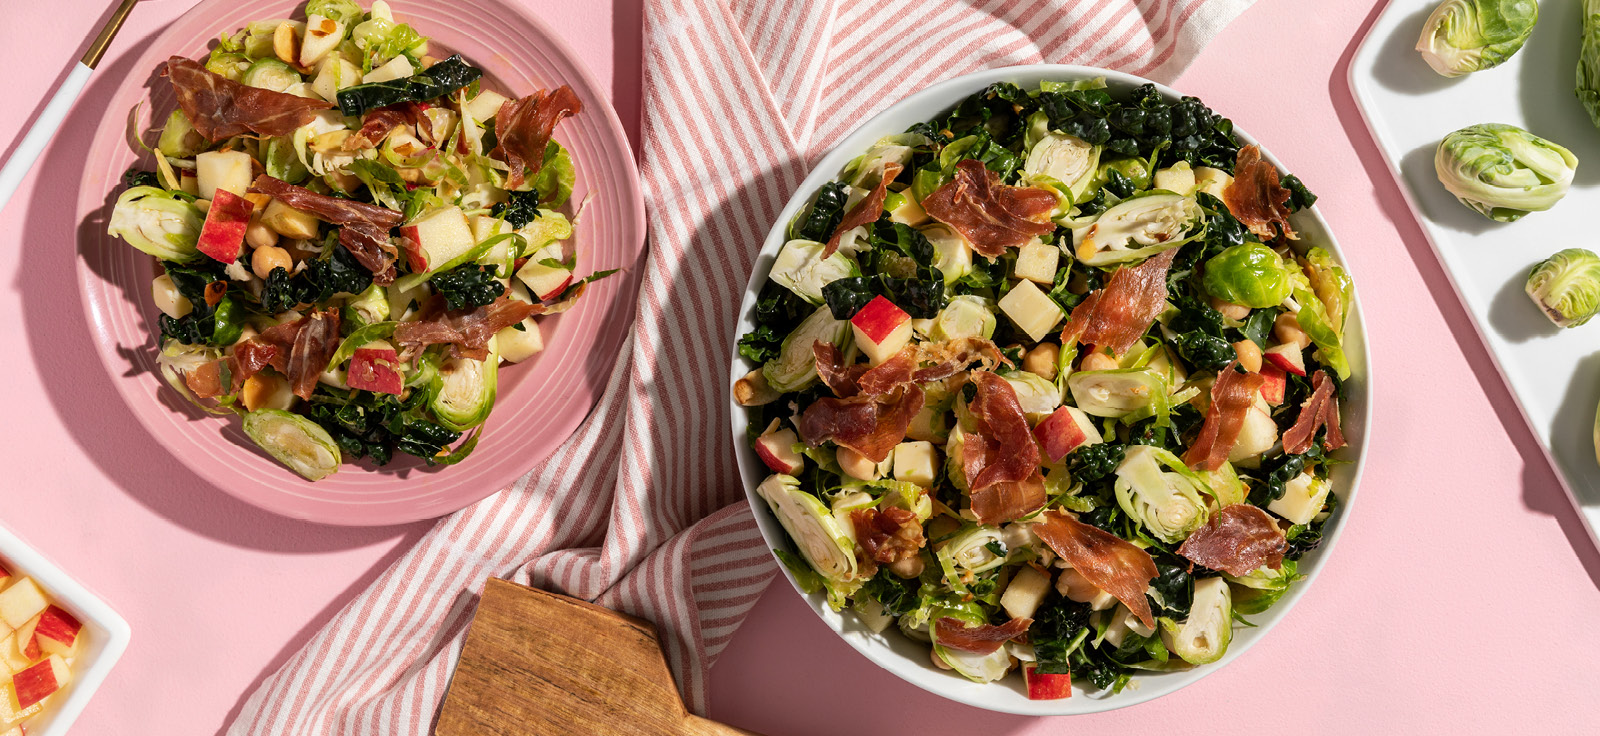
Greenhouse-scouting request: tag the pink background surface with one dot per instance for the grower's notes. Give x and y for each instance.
(1463, 595)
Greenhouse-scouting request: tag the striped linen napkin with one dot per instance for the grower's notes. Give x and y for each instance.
(642, 510)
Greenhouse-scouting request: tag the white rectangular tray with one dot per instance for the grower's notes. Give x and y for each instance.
(1554, 374)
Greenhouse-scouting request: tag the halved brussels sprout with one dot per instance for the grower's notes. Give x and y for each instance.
(1319, 326)
(796, 364)
(178, 137)
(1139, 228)
(801, 268)
(1063, 158)
(972, 550)
(158, 222)
(1502, 171)
(1566, 286)
(1167, 502)
(1331, 284)
(951, 254)
(1203, 637)
(1250, 274)
(865, 170)
(976, 667)
(966, 315)
(1257, 591)
(1465, 36)
(299, 443)
(270, 73)
(816, 533)
(464, 391)
(1119, 392)
(1036, 394)
(370, 307)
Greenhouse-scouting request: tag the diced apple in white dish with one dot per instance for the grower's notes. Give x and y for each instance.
(917, 462)
(20, 602)
(1033, 311)
(1065, 430)
(435, 241)
(27, 645)
(57, 632)
(881, 329)
(775, 447)
(10, 710)
(1303, 498)
(226, 170)
(1288, 357)
(40, 681)
(11, 655)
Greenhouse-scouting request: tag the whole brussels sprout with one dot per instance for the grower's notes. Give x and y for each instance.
(1589, 61)
(1250, 274)
(1464, 36)
(1502, 171)
(1566, 286)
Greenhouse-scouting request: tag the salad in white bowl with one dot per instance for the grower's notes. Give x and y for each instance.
(1048, 377)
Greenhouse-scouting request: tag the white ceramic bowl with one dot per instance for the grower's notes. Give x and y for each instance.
(909, 659)
(106, 633)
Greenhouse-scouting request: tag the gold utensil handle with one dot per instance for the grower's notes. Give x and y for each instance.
(107, 32)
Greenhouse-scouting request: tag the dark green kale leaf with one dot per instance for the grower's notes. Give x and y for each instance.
(761, 344)
(281, 293)
(520, 209)
(1279, 471)
(467, 286)
(898, 596)
(1144, 125)
(1059, 626)
(827, 210)
(1306, 537)
(920, 297)
(136, 177)
(1093, 462)
(1299, 196)
(1207, 352)
(218, 325)
(1258, 325)
(336, 272)
(368, 424)
(1174, 586)
(438, 80)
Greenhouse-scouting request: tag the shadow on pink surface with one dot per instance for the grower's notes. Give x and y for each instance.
(99, 421)
(1541, 490)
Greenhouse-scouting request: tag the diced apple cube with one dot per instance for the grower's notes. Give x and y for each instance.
(398, 68)
(27, 644)
(881, 329)
(1033, 312)
(1287, 356)
(335, 74)
(907, 211)
(929, 424)
(57, 632)
(917, 462)
(322, 35)
(485, 227)
(376, 367)
(860, 467)
(1275, 383)
(40, 681)
(775, 447)
(1258, 433)
(1303, 498)
(438, 240)
(229, 171)
(222, 235)
(1037, 262)
(485, 105)
(10, 710)
(1046, 686)
(11, 655)
(21, 602)
(519, 345)
(1177, 178)
(1211, 181)
(546, 282)
(1065, 430)
(1026, 591)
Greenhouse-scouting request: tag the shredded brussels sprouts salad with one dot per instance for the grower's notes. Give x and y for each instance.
(353, 236)
(1051, 383)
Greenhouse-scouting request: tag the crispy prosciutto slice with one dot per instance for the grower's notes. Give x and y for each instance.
(1256, 197)
(1119, 313)
(992, 216)
(205, 380)
(376, 126)
(331, 209)
(882, 378)
(982, 639)
(1113, 564)
(1006, 500)
(221, 108)
(314, 344)
(953, 356)
(1232, 396)
(466, 331)
(841, 378)
(1238, 539)
(1321, 409)
(524, 127)
(888, 535)
(870, 425)
(918, 363)
(866, 211)
(1002, 449)
(370, 245)
(250, 356)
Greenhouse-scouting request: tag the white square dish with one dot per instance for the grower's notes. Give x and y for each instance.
(107, 639)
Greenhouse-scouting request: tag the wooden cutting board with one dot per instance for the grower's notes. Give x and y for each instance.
(546, 664)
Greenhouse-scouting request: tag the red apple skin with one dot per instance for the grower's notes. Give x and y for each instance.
(1287, 356)
(1046, 687)
(416, 258)
(222, 236)
(1275, 383)
(35, 683)
(553, 293)
(879, 318)
(57, 631)
(773, 445)
(1058, 435)
(375, 369)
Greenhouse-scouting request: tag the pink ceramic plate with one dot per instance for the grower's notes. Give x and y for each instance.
(541, 401)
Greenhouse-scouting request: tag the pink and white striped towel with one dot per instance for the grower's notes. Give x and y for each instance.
(642, 510)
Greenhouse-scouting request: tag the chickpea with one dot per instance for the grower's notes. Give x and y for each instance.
(259, 235)
(1098, 361)
(1249, 354)
(908, 568)
(858, 466)
(264, 260)
(1041, 361)
(1075, 586)
(266, 389)
(1287, 329)
(1230, 310)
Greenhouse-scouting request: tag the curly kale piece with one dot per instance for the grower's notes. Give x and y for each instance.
(1059, 627)
(136, 177)
(519, 209)
(368, 424)
(217, 325)
(761, 344)
(281, 293)
(1093, 462)
(468, 286)
(826, 211)
(898, 596)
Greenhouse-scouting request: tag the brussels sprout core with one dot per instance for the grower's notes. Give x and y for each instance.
(1502, 171)
(1566, 286)
(1464, 36)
